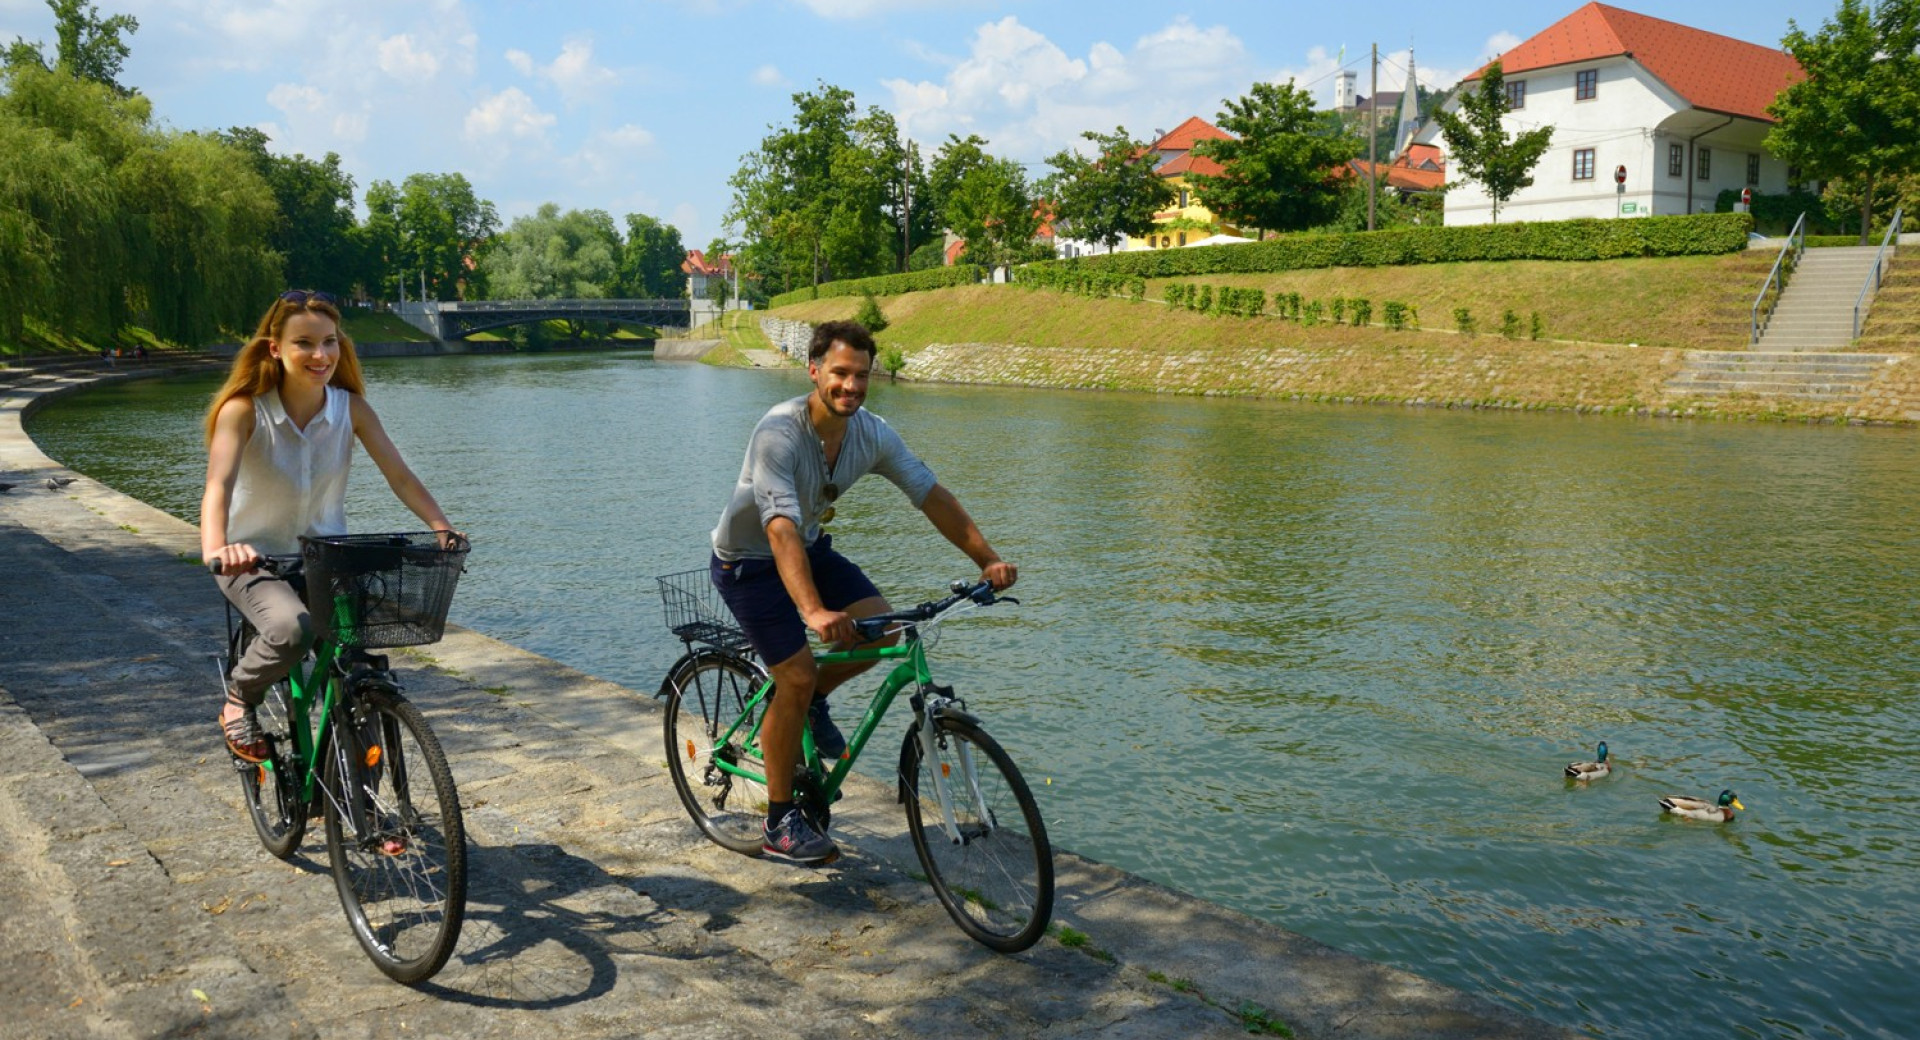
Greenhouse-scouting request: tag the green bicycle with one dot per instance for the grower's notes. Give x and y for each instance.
(971, 818)
(346, 745)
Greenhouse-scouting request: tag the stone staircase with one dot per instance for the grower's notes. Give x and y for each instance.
(1816, 311)
(1799, 375)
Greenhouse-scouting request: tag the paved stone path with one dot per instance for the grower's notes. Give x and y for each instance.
(137, 902)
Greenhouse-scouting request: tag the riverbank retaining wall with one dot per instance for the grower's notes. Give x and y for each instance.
(788, 337)
(1469, 373)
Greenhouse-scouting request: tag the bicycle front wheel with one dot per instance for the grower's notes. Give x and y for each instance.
(272, 788)
(707, 694)
(395, 836)
(993, 870)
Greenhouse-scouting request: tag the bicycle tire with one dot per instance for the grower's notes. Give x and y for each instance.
(707, 690)
(272, 788)
(996, 883)
(402, 877)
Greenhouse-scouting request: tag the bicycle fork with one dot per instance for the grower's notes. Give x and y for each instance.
(938, 704)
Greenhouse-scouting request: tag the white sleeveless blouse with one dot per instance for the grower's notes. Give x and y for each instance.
(292, 482)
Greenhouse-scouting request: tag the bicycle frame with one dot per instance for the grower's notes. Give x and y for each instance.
(304, 687)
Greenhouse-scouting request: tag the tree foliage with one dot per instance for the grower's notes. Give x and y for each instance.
(823, 197)
(89, 47)
(984, 200)
(1110, 195)
(650, 260)
(1281, 172)
(315, 229)
(434, 225)
(1855, 119)
(1478, 146)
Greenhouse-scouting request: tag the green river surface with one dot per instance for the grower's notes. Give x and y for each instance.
(1319, 664)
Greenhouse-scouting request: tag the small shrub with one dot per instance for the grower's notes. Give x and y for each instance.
(1137, 289)
(1176, 293)
(1394, 313)
(869, 314)
(1536, 328)
(1510, 325)
(1204, 302)
(1463, 321)
(893, 360)
(1360, 312)
(1310, 312)
(1339, 309)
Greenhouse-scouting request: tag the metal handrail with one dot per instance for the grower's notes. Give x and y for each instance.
(1879, 271)
(1796, 244)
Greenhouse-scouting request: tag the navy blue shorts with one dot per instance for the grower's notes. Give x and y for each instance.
(759, 601)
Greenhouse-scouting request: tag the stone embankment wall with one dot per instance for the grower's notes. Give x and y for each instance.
(1485, 373)
(788, 337)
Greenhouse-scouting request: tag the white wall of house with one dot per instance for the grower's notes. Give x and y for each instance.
(1632, 120)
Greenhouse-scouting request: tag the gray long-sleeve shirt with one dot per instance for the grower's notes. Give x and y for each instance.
(785, 474)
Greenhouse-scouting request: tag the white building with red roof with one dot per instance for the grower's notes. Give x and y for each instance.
(1678, 113)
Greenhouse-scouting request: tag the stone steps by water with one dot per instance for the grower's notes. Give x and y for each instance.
(1808, 376)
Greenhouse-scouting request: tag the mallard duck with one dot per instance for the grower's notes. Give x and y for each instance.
(1718, 811)
(1592, 770)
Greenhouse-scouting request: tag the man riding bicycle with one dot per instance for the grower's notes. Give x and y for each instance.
(778, 571)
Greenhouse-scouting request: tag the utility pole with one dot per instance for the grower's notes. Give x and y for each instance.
(1373, 132)
(906, 226)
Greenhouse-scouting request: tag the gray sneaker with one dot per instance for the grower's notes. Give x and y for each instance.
(794, 840)
(827, 738)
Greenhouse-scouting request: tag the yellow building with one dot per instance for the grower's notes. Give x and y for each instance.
(1187, 221)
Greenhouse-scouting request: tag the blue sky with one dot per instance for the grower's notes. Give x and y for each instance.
(645, 106)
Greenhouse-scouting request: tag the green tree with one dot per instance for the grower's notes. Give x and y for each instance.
(432, 224)
(315, 231)
(551, 255)
(1281, 172)
(1479, 146)
(89, 47)
(1856, 117)
(986, 201)
(1109, 196)
(650, 260)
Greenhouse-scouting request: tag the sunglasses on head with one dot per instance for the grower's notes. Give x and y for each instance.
(299, 297)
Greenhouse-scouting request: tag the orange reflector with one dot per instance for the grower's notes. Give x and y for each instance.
(691, 753)
(946, 769)
(373, 756)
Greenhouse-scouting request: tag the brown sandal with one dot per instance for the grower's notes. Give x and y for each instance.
(245, 740)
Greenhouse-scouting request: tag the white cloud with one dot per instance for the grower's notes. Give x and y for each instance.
(1500, 43)
(848, 9)
(296, 99)
(510, 113)
(572, 72)
(400, 58)
(608, 158)
(768, 76)
(1029, 97)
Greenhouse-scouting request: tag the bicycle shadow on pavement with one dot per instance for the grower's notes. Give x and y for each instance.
(547, 929)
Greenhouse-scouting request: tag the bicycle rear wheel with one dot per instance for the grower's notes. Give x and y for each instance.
(272, 788)
(996, 877)
(395, 836)
(707, 692)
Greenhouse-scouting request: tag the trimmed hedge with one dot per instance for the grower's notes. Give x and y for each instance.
(1702, 234)
(886, 284)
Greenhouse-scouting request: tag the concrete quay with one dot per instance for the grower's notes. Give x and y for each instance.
(138, 903)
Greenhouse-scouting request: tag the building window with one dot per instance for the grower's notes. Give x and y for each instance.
(1583, 164)
(1586, 83)
(1753, 170)
(1183, 198)
(1183, 238)
(1703, 165)
(1676, 160)
(1516, 94)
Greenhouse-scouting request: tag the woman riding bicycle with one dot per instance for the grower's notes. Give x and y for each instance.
(279, 440)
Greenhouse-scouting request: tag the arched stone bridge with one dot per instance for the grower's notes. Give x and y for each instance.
(458, 320)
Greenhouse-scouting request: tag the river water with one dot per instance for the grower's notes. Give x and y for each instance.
(1319, 664)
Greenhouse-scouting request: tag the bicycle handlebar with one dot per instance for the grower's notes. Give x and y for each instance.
(980, 592)
(280, 566)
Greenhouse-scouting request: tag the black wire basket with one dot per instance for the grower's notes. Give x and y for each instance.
(695, 611)
(378, 590)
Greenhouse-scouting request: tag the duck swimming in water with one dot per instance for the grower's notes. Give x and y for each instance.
(1719, 811)
(1592, 770)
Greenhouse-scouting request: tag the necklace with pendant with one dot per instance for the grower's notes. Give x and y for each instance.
(832, 489)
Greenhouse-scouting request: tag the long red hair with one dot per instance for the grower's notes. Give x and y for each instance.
(255, 370)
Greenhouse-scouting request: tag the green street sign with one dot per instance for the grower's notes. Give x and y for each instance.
(1627, 207)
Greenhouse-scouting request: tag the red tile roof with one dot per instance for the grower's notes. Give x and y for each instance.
(1398, 176)
(1712, 72)
(1187, 162)
(697, 263)
(1182, 137)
